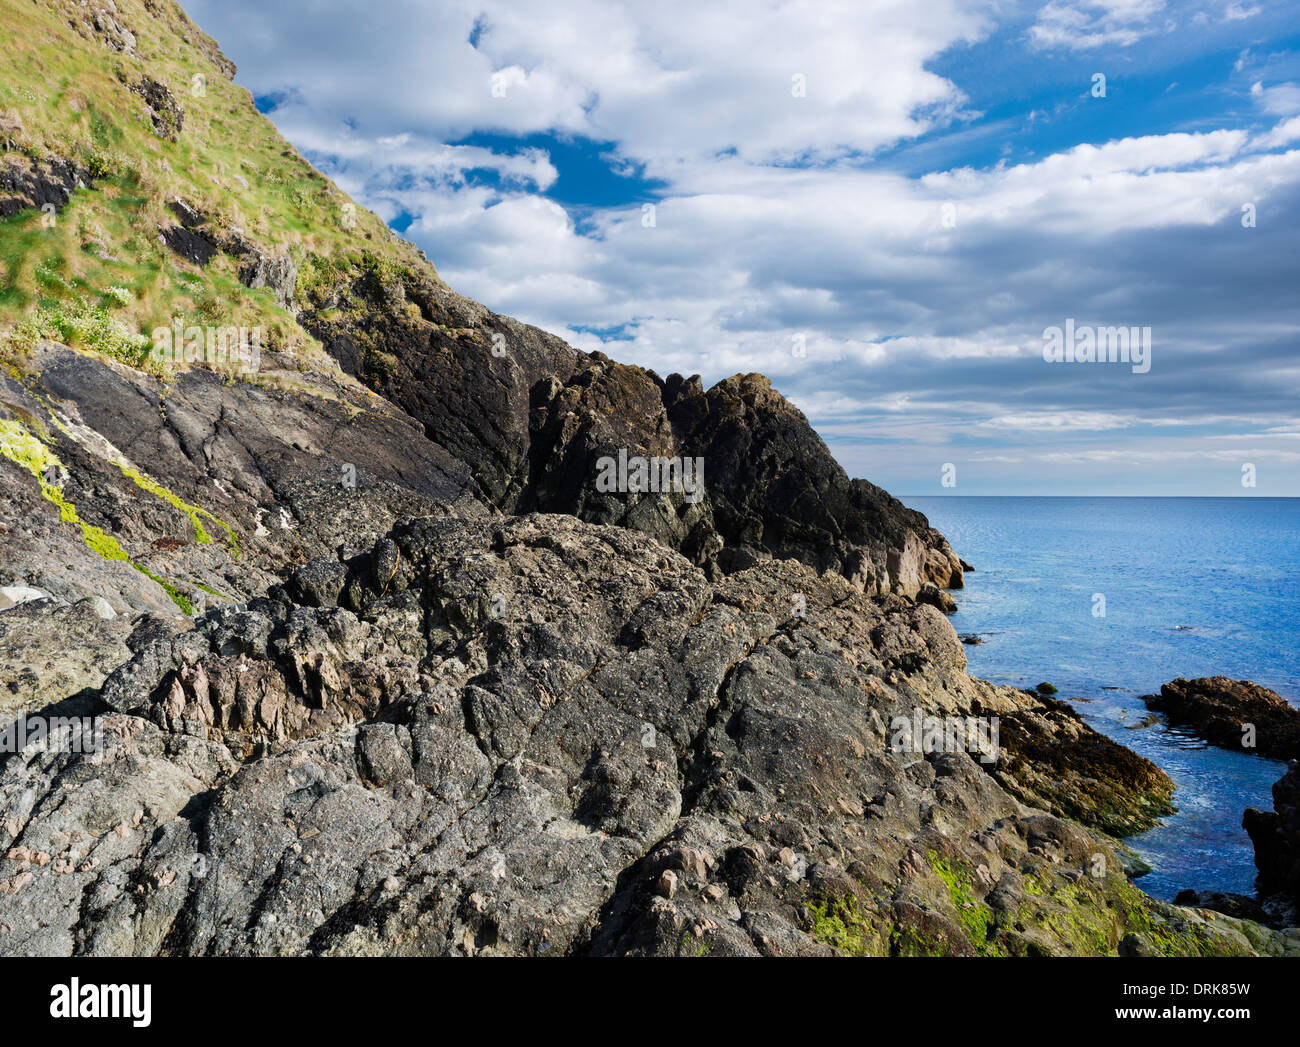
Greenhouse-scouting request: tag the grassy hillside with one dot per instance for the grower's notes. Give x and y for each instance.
(99, 276)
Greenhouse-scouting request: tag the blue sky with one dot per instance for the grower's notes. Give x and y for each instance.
(880, 206)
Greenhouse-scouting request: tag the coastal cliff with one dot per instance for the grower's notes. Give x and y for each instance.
(374, 664)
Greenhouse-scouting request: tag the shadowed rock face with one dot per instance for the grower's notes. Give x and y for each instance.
(28, 183)
(533, 418)
(535, 735)
(1243, 716)
(1276, 836)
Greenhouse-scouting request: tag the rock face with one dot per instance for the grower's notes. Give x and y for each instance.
(165, 113)
(532, 735)
(1276, 836)
(370, 663)
(42, 184)
(533, 418)
(279, 274)
(1228, 713)
(50, 652)
(197, 240)
(101, 21)
(1232, 714)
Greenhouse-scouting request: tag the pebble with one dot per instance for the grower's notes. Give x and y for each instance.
(666, 885)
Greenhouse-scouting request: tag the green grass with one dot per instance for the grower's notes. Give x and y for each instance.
(98, 277)
(72, 98)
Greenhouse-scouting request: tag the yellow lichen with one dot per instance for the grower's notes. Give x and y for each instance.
(29, 452)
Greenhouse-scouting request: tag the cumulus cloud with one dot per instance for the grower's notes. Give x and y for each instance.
(903, 311)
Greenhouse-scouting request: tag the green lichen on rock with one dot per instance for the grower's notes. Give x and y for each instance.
(839, 921)
(30, 453)
(1155, 928)
(194, 512)
(152, 486)
(1074, 914)
(975, 917)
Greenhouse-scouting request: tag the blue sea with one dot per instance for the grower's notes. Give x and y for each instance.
(1191, 587)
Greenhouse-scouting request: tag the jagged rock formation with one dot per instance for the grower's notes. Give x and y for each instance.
(533, 417)
(1239, 715)
(1232, 714)
(379, 669)
(535, 735)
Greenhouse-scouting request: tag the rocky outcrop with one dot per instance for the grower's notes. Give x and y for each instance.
(42, 184)
(533, 735)
(1051, 760)
(193, 492)
(369, 663)
(50, 651)
(534, 418)
(1232, 714)
(100, 20)
(1243, 716)
(279, 274)
(165, 113)
(198, 240)
(1276, 836)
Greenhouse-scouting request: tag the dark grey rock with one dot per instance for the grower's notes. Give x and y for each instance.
(534, 735)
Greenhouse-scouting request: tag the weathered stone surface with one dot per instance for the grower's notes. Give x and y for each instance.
(100, 20)
(400, 722)
(533, 735)
(279, 274)
(165, 113)
(25, 182)
(1232, 714)
(534, 417)
(1053, 761)
(49, 652)
(294, 469)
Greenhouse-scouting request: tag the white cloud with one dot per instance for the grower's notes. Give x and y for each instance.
(1239, 12)
(1063, 421)
(1284, 133)
(1280, 100)
(1085, 25)
(920, 300)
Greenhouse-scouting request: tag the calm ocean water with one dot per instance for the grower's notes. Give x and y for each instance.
(1192, 587)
